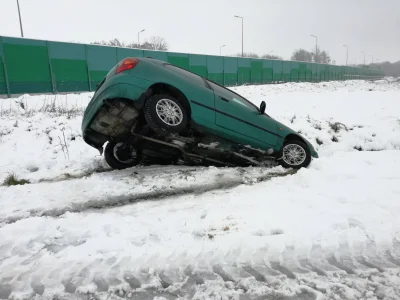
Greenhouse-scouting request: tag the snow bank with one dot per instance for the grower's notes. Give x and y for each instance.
(343, 205)
(326, 232)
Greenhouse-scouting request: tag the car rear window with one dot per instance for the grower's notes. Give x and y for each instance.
(193, 77)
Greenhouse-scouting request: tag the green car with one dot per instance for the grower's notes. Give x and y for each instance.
(145, 108)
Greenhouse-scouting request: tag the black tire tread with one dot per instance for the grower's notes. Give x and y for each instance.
(113, 162)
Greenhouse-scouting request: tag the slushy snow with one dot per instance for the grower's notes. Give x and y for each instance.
(330, 231)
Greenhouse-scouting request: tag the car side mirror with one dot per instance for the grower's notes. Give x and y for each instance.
(262, 107)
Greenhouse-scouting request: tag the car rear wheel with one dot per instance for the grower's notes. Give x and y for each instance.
(165, 114)
(295, 154)
(119, 155)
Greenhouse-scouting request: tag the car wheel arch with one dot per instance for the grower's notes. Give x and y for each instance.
(289, 137)
(165, 88)
(292, 136)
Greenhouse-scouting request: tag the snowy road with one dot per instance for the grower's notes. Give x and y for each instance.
(330, 231)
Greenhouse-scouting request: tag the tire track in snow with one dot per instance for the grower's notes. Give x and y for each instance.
(159, 193)
(269, 278)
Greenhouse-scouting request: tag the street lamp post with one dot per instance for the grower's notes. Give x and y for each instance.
(20, 21)
(364, 57)
(316, 47)
(138, 37)
(242, 31)
(220, 49)
(347, 53)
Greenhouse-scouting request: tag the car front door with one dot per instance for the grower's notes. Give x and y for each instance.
(239, 118)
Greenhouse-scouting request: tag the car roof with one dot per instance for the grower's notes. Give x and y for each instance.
(152, 60)
(160, 62)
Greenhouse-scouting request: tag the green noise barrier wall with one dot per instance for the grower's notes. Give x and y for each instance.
(29, 66)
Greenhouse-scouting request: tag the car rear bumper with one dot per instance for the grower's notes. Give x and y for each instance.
(115, 91)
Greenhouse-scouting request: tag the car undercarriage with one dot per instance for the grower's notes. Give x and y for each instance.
(124, 125)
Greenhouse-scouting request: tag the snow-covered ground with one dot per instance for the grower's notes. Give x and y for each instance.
(330, 231)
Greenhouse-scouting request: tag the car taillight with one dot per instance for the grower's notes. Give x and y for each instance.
(127, 64)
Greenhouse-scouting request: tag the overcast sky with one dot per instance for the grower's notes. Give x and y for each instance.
(203, 26)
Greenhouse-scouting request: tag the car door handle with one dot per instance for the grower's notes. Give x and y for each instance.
(223, 99)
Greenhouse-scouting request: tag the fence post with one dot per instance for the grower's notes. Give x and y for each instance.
(237, 72)
(272, 77)
(207, 66)
(223, 71)
(5, 68)
(87, 69)
(53, 83)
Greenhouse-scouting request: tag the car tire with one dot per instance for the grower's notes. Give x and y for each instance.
(165, 114)
(119, 155)
(292, 148)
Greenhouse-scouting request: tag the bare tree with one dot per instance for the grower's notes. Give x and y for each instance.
(270, 56)
(255, 55)
(325, 57)
(132, 45)
(153, 43)
(157, 43)
(114, 43)
(302, 55)
(321, 57)
(247, 54)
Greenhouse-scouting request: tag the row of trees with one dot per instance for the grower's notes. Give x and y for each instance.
(315, 55)
(152, 43)
(390, 69)
(159, 43)
(255, 55)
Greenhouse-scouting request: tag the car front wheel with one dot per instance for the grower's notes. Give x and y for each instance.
(119, 155)
(295, 154)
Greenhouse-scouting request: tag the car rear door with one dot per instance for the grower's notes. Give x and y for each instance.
(242, 119)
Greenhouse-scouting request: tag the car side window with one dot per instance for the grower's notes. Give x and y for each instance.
(196, 78)
(232, 96)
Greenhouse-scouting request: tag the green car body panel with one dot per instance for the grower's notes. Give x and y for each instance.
(217, 110)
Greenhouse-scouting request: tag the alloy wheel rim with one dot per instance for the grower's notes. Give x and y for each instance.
(294, 155)
(169, 112)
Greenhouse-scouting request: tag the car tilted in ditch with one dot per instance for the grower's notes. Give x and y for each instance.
(149, 108)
